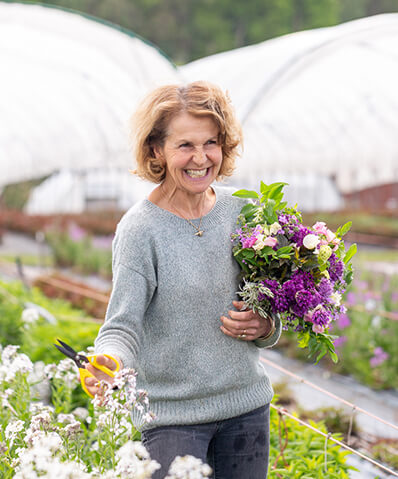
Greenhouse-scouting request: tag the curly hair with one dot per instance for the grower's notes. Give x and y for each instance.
(149, 124)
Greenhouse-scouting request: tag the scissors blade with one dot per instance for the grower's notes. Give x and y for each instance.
(71, 353)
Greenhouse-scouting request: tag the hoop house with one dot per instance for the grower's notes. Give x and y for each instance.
(68, 86)
(320, 103)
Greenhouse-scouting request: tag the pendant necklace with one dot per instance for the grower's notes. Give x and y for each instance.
(199, 231)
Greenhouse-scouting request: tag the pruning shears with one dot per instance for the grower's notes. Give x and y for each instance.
(81, 360)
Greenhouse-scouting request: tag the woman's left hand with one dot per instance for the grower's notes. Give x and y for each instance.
(245, 324)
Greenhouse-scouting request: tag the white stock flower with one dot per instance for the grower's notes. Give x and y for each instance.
(134, 461)
(30, 315)
(20, 364)
(274, 228)
(335, 298)
(311, 241)
(188, 467)
(81, 413)
(12, 430)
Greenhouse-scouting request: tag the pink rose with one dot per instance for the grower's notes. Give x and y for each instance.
(270, 241)
(317, 328)
(320, 227)
(330, 236)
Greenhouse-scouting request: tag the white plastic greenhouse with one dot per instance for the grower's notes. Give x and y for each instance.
(68, 86)
(318, 104)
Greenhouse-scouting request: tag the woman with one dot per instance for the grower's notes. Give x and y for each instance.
(173, 314)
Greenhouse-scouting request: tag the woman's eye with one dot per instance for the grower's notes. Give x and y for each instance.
(212, 142)
(184, 145)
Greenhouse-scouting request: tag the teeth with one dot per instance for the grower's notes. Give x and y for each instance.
(197, 173)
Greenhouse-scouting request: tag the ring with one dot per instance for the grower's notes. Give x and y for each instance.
(241, 336)
(244, 332)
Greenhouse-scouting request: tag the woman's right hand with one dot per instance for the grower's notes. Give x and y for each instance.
(92, 383)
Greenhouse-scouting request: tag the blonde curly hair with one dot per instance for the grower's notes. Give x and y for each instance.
(150, 122)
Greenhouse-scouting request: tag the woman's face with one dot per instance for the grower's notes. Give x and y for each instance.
(192, 153)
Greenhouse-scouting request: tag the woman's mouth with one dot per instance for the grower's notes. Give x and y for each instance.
(197, 173)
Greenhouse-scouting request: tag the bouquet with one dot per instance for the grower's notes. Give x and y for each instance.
(289, 269)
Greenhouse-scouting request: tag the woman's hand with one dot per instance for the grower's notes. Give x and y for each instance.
(245, 324)
(92, 383)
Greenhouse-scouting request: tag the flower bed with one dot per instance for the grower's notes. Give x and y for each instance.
(367, 333)
(60, 440)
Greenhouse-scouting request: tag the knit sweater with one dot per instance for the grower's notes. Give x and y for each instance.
(170, 289)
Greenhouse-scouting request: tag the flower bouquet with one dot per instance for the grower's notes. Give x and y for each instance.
(289, 269)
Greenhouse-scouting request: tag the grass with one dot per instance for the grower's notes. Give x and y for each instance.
(28, 259)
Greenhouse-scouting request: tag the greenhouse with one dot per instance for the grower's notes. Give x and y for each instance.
(69, 85)
(319, 107)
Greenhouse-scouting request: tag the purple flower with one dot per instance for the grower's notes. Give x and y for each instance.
(321, 317)
(75, 232)
(325, 289)
(299, 235)
(351, 298)
(336, 268)
(379, 356)
(340, 341)
(303, 301)
(343, 321)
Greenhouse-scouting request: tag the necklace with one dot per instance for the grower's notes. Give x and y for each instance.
(199, 231)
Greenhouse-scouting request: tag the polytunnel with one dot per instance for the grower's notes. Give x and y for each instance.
(69, 84)
(318, 107)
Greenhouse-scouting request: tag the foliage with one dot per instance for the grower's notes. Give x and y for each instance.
(291, 270)
(90, 443)
(299, 452)
(36, 339)
(81, 254)
(386, 451)
(368, 340)
(190, 29)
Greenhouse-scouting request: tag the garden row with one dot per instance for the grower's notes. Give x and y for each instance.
(48, 424)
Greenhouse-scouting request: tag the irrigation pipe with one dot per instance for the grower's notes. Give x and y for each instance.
(324, 391)
(331, 438)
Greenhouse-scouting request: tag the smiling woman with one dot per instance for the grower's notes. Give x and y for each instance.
(173, 313)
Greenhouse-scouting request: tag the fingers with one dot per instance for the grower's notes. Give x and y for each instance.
(103, 360)
(92, 386)
(240, 327)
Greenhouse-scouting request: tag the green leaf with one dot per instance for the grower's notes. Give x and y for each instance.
(246, 194)
(276, 189)
(263, 188)
(248, 210)
(303, 339)
(350, 253)
(344, 229)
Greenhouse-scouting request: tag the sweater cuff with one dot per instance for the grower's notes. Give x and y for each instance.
(272, 340)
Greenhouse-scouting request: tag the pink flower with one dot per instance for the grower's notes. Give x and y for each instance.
(318, 328)
(270, 241)
(320, 228)
(379, 357)
(248, 242)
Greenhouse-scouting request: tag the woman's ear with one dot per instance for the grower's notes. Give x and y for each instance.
(157, 151)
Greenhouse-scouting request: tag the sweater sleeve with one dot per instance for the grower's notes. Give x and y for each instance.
(134, 282)
(272, 340)
(121, 332)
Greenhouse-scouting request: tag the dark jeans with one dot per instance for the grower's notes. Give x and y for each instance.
(235, 448)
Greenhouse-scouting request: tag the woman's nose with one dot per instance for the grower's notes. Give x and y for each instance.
(200, 157)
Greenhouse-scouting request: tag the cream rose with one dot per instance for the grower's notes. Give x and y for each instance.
(311, 241)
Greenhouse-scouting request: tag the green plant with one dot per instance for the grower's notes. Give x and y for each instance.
(299, 452)
(80, 254)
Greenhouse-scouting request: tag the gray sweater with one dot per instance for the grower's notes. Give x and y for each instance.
(170, 289)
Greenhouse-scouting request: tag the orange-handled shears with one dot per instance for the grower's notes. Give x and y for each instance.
(80, 361)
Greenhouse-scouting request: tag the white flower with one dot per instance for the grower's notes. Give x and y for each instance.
(336, 298)
(19, 364)
(188, 467)
(30, 315)
(13, 428)
(274, 228)
(311, 241)
(134, 462)
(81, 413)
